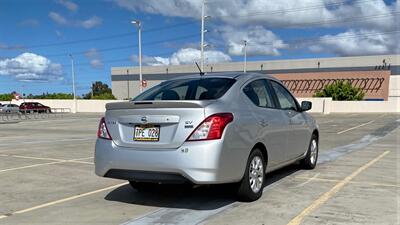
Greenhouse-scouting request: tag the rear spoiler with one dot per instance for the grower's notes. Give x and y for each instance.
(158, 104)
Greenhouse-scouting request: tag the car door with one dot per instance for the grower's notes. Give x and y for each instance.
(271, 125)
(298, 131)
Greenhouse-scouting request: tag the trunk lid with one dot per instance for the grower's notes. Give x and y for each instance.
(176, 121)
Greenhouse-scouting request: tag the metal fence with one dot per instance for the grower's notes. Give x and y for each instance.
(313, 85)
(33, 115)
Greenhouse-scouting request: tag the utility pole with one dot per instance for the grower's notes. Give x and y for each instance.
(92, 91)
(202, 36)
(139, 26)
(127, 81)
(245, 56)
(73, 83)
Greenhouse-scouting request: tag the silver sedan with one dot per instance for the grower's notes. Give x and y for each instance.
(9, 108)
(210, 129)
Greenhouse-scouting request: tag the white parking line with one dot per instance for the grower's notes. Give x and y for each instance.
(352, 128)
(43, 164)
(62, 200)
(307, 181)
(47, 141)
(44, 158)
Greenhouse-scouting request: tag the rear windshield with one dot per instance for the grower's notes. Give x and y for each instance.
(188, 89)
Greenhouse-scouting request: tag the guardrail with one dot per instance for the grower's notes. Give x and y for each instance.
(33, 115)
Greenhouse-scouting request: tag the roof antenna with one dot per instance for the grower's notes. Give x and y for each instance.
(198, 67)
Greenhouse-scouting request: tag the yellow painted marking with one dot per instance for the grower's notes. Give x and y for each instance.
(62, 200)
(352, 128)
(352, 182)
(43, 164)
(327, 195)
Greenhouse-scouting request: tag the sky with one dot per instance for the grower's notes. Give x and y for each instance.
(38, 37)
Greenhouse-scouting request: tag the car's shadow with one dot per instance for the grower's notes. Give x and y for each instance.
(208, 197)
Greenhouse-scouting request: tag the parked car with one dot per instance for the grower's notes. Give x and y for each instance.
(9, 108)
(211, 129)
(32, 107)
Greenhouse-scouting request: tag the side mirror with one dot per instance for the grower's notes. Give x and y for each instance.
(306, 105)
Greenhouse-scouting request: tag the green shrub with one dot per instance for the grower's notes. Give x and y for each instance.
(341, 91)
(104, 96)
(6, 97)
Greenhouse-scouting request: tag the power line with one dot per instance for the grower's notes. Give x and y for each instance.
(319, 39)
(126, 46)
(126, 59)
(101, 38)
(254, 13)
(333, 21)
(305, 8)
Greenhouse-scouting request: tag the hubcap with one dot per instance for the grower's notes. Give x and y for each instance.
(313, 151)
(256, 174)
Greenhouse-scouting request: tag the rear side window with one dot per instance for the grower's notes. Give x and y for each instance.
(285, 99)
(188, 89)
(258, 93)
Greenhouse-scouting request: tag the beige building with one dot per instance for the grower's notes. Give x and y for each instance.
(379, 75)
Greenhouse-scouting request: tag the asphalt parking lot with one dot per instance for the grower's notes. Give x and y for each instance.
(47, 177)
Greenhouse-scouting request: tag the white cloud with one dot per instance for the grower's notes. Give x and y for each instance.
(29, 23)
(91, 22)
(186, 56)
(94, 58)
(181, 8)
(59, 33)
(277, 13)
(58, 18)
(31, 67)
(71, 6)
(362, 42)
(259, 41)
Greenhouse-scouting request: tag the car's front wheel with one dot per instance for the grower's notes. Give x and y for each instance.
(252, 184)
(310, 161)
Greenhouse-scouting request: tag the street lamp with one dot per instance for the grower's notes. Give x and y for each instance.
(245, 56)
(202, 32)
(139, 26)
(73, 83)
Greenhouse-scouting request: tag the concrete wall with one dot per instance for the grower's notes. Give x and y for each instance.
(120, 89)
(320, 105)
(122, 76)
(334, 62)
(68, 105)
(327, 106)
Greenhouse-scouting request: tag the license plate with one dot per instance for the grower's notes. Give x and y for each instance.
(146, 133)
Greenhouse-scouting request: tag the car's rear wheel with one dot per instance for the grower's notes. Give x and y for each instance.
(310, 161)
(252, 184)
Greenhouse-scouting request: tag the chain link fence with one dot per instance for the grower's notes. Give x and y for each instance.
(33, 115)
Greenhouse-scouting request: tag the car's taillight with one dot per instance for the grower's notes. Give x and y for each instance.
(211, 128)
(102, 132)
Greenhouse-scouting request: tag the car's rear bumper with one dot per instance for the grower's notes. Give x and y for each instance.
(198, 162)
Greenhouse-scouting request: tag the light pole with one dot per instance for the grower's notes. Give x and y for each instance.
(245, 56)
(139, 26)
(203, 31)
(73, 83)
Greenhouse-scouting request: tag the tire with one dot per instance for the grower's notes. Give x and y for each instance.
(251, 187)
(310, 161)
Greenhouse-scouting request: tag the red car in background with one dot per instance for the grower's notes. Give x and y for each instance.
(32, 107)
